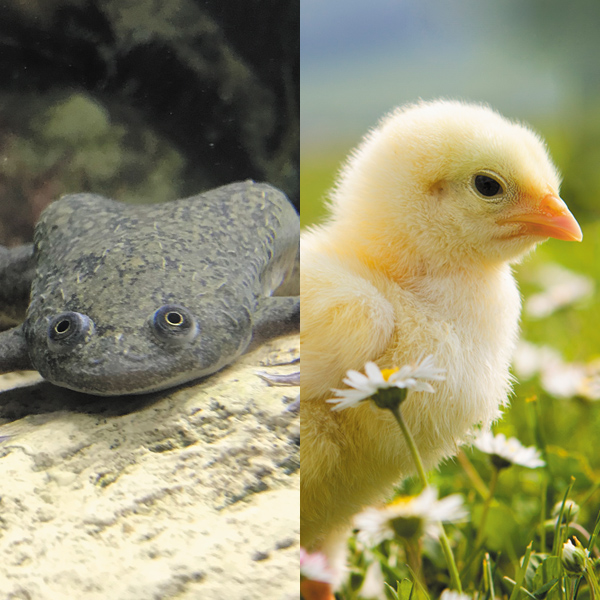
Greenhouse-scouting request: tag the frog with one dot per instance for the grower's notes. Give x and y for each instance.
(119, 299)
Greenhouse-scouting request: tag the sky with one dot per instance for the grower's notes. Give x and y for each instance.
(360, 58)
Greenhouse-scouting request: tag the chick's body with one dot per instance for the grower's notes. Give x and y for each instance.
(415, 260)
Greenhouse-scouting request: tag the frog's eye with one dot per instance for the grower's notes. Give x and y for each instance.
(175, 324)
(68, 329)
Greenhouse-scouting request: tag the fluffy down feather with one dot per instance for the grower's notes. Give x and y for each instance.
(415, 259)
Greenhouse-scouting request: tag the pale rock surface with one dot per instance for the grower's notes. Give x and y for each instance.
(187, 494)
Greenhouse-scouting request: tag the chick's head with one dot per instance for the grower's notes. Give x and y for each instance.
(447, 181)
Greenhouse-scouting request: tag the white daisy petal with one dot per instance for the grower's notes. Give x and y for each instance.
(373, 527)
(452, 595)
(560, 287)
(574, 558)
(375, 524)
(356, 394)
(426, 369)
(403, 372)
(345, 402)
(354, 378)
(409, 377)
(510, 450)
(374, 373)
(314, 567)
(450, 509)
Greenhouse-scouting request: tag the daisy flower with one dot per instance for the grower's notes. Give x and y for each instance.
(559, 378)
(409, 517)
(314, 567)
(560, 287)
(505, 452)
(452, 595)
(375, 381)
(574, 558)
(571, 509)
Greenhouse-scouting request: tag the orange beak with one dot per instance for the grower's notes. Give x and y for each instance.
(549, 217)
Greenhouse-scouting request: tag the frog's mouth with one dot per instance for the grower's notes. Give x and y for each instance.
(107, 368)
(134, 381)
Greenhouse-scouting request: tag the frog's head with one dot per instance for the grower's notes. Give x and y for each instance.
(132, 350)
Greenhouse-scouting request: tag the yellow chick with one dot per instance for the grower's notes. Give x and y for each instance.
(426, 218)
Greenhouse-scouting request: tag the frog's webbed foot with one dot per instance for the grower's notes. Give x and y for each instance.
(280, 379)
(13, 351)
(295, 405)
(17, 269)
(276, 316)
(285, 380)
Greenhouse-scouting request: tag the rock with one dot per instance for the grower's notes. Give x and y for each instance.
(192, 492)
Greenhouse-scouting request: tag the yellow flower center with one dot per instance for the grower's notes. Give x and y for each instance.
(387, 373)
(401, 500)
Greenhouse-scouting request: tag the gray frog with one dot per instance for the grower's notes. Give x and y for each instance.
(126, 299)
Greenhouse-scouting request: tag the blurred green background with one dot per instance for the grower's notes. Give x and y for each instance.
(144, 101)
(533, 61)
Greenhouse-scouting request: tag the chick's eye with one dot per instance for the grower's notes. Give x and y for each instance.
(487, 186)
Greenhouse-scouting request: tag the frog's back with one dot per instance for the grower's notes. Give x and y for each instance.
(245, 233)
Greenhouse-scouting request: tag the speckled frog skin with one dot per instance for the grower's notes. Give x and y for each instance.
(127, 299)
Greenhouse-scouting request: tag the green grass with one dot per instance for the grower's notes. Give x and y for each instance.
(317, 175)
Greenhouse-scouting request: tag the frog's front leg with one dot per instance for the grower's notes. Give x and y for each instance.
(17, 269)
(275, 316)
(13, 351)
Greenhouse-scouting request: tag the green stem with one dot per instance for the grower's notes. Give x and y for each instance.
(411, 446)
(472, 474)
(415, 559)
(486, 506)
(592, 580)
(445, 543)
(543, 516)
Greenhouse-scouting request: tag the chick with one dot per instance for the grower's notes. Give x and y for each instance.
(426, 218)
